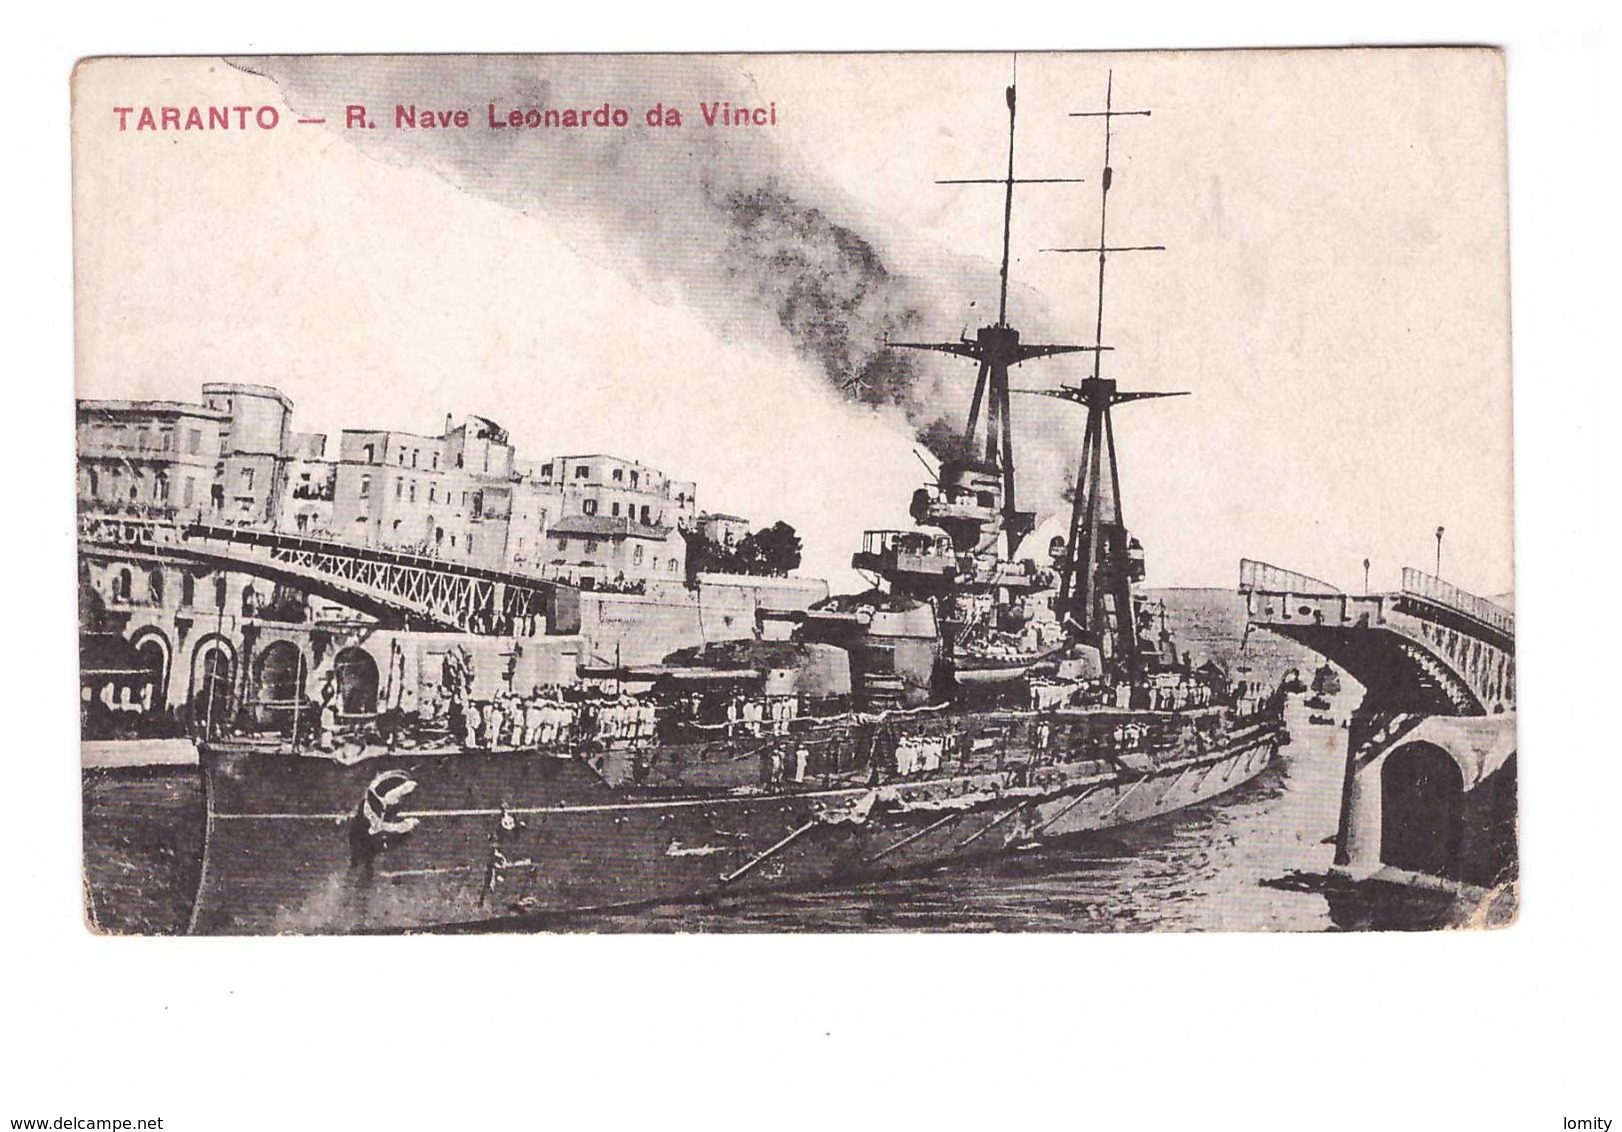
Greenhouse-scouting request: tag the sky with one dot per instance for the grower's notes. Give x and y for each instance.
(714, 301)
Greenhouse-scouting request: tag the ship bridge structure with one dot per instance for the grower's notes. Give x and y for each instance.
(1429, 796)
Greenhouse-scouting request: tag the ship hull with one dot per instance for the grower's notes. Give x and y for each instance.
(513, 836)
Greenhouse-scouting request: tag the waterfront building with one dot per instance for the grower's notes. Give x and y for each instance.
(219, 461)
(611, 520)
(254, 450)
(311, 479)
(449, 496)
(722, 529)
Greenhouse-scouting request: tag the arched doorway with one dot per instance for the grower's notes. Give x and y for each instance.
(280, 674)
(213, 675)
(1421, 810)
(154, 652)
(357, 681)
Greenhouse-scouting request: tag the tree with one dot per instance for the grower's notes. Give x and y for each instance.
(774, 550)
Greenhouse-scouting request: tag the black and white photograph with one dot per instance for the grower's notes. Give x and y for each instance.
(635, 505)
(963, 568)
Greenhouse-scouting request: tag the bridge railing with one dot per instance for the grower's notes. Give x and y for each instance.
(1263, 577)
(1417, 583)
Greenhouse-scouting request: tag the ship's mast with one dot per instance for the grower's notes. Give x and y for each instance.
(989, 435)
(1099, 565)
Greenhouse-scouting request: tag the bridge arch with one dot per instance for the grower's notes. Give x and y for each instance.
(213, 676)
(1422, 808)
(357, 681)
(153, 648)
(280, 673)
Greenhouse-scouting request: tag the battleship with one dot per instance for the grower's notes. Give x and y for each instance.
(979, 698)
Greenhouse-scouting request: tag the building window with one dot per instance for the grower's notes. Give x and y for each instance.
(433, 493)
(245, 479)
(591, 546)
(194, 440)
(402, 457)
(365, 487)
(546, 471)
(187, 490)
(588, 507)
(95, 484)
(470, 544)
(370, 453)
(435, 458)
(412, 493)
(160, 488)
(399, 486)
(188, 588)
(645, 522)
(563, 544)
(636, 554)
(672, 565)
(619, 474)
(634, 477)
(583, 471)
(414, 452)
(615, 509)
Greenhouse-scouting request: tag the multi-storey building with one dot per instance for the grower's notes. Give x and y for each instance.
(602, 520)
(612, 520)
(254, 450)
(721, 529)
(449, 495)
(310, 482)
(220, 461)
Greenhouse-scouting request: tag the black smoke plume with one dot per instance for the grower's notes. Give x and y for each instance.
(719, 219)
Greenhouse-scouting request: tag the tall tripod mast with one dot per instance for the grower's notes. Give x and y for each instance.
(1100, 563)
(997, 347)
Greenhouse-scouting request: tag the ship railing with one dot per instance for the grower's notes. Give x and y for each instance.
(1264, 577)
(1417, 583)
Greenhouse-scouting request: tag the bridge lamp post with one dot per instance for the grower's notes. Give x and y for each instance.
(1439, 531)
(1365, 577)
